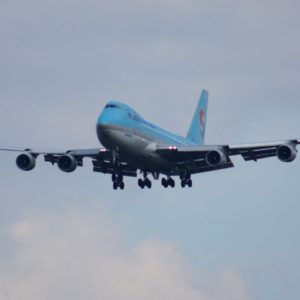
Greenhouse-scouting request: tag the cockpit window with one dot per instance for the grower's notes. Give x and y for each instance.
(134, 116)
(112, 106)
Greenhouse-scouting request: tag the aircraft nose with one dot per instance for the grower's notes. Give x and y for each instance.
(104, 119)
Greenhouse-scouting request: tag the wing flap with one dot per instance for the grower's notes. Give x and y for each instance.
(215, 168)
(104, 166)
(258, 153)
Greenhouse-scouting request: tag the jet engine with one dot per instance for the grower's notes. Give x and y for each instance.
(287, 152)
(215, 158)
(25, 161)
(67, 163)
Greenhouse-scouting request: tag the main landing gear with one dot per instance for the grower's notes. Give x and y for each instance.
(168, 182)
(117, 180)
(146, 182)
(186, 181)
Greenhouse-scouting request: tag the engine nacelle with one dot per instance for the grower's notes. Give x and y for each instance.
(215, 158)
(25, 161)
(67, 163)
(287, 152)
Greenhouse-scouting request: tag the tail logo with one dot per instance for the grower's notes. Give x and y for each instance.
(202, 121)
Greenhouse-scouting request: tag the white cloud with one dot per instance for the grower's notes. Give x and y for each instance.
(76, 255)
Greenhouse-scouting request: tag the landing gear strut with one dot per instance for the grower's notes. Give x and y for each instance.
(117, 180)
(146, 182)
(117, 176)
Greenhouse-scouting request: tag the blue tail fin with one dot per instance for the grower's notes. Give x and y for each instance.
(196, 132)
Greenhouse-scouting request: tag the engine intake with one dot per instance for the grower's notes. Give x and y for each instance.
(215, 158)
(25, 161)
(286, 153)
(67, 163)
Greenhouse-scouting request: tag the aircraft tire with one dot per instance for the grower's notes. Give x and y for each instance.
(122, 185)
(115, 185)
(171, 182)
(164, 182)
(190, 183)
(148, 183)
(141, 183)
(183, 183)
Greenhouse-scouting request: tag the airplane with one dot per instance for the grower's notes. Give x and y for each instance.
(133, 146)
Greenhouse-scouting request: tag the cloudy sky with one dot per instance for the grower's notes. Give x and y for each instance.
(235, 235)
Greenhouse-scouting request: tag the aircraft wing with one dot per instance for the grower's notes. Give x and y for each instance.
(196, 159)
(192, 159)
(263, 150)
(102, 159)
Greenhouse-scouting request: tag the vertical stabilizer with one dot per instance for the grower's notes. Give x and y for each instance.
(196, 132)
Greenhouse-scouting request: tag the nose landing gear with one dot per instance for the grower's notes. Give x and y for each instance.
(117, 176)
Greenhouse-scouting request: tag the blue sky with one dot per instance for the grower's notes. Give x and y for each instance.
(234, 235)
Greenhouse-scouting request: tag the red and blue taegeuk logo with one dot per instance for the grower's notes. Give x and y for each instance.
(202, 121)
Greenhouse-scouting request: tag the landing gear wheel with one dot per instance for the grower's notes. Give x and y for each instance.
(171, 182)
(190, 183)
(148, 183)
(141, 183)
(121, 185)
(164, 182)
(183, 183)
(115, 185)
